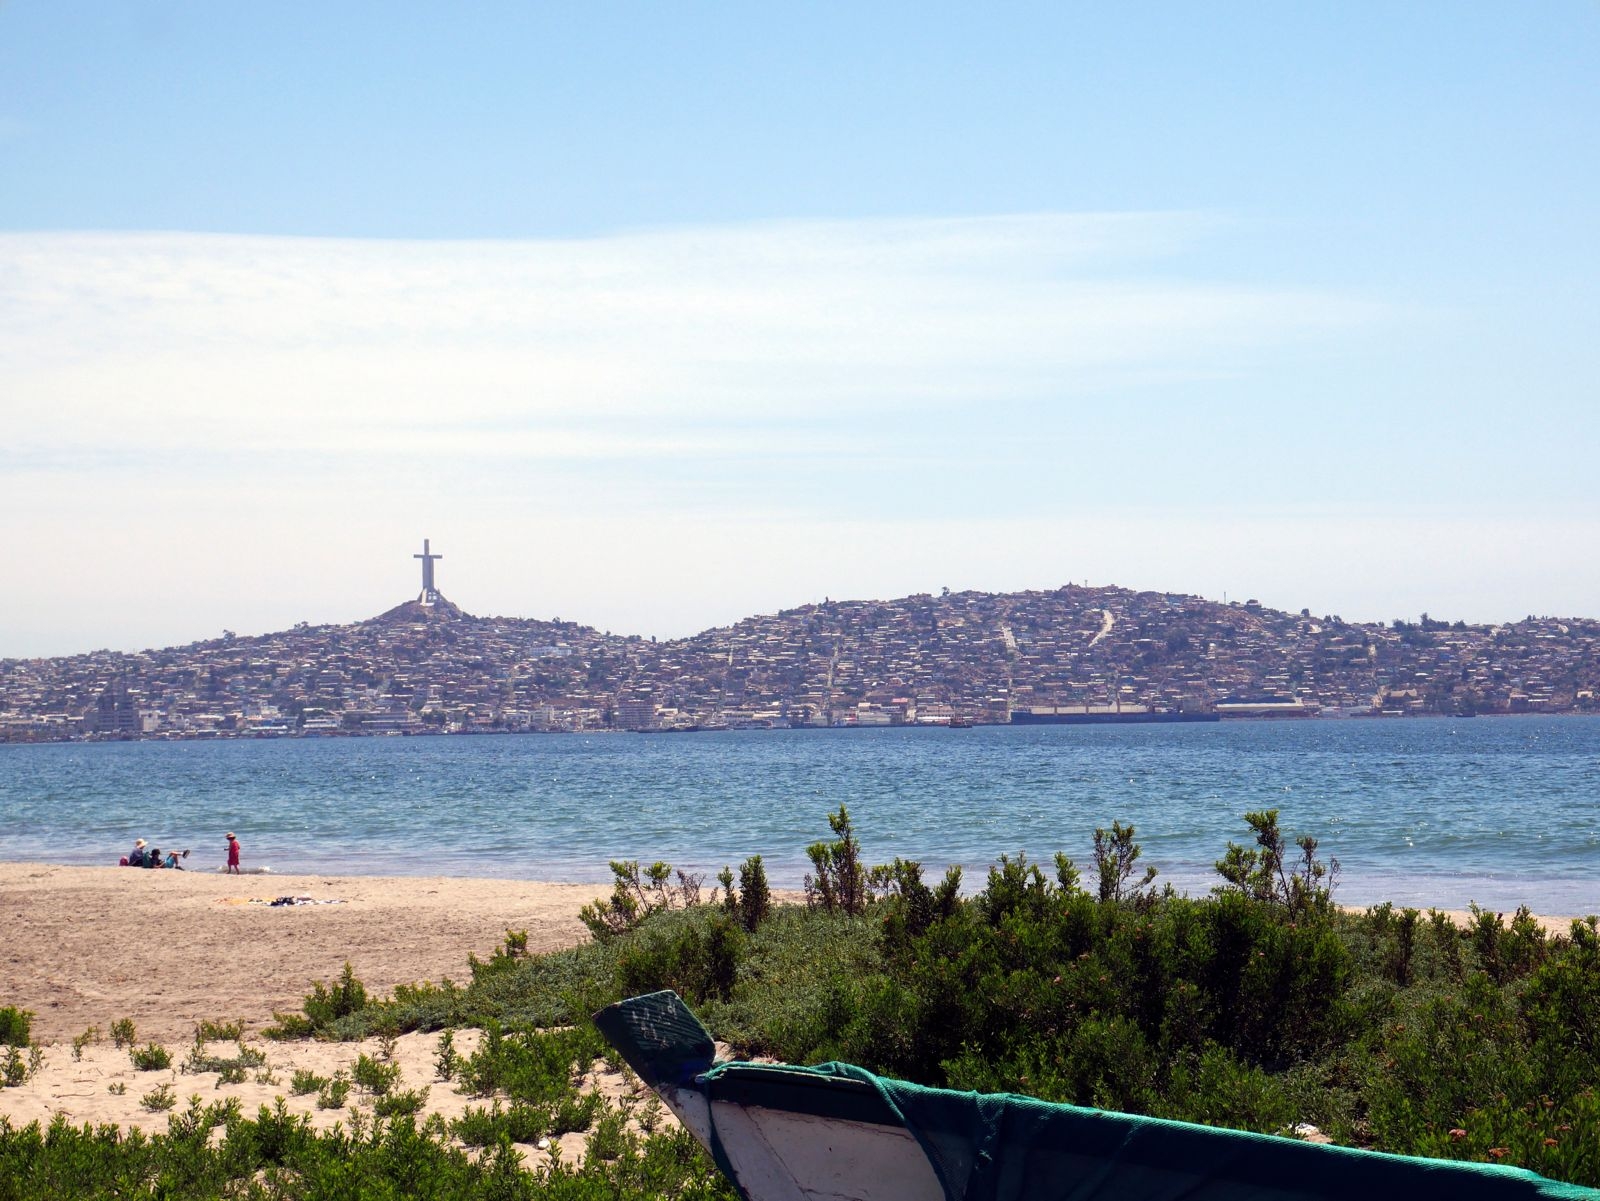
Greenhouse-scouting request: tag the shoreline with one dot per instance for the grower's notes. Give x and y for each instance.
(607, 731)
(86, 946)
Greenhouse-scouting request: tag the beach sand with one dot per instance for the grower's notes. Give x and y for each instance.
(87, 946)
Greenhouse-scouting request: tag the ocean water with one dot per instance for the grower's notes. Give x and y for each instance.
(1501, 811)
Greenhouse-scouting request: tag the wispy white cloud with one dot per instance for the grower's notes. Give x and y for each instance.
(631, 429)
(164, 339)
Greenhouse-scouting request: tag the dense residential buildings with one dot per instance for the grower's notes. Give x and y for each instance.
(428, 667)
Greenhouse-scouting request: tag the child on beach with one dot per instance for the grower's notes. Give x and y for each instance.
(233, 855)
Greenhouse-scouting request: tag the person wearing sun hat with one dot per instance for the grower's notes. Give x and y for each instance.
(136, 858)
(233, 854)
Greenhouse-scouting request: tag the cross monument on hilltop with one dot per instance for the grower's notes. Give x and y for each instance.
(429, 593)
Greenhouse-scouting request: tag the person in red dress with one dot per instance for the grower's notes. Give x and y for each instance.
(233, 855)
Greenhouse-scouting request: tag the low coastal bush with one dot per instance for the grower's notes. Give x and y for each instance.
(88, 1037)
(150, 1058)
(16, 1026)
(277, 1154)
(374, 1076)
(332, 1094)
(244, 1058)
(219, 1032)
(324, 1011)
(484, 1126)
(158, 1100)
(16, 1068)
(304, 1082)
(397, 1102)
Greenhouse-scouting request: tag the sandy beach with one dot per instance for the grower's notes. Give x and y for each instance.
(85, 946)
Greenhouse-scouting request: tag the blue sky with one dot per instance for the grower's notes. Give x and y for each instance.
(654, 317)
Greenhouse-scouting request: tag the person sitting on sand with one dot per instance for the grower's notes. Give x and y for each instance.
(172, 859)
(154, 858)
(233, 855)
(137, 857)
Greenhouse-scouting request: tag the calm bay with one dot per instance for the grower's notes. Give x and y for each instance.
(1501, 811)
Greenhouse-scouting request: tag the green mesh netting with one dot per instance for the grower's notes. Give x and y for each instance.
(1000, 1147)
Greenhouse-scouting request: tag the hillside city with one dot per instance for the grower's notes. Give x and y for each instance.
(963, 658)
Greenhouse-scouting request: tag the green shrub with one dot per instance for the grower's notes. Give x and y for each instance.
(334, 1093)
(375, 1076)
(150, 1058)
(696, 954)
(1266, 874)
(16, 1026)
(327, 1011)
(158, 1100)
(446, 1061)
(392, 1104)
(529, 1065)
(219, 1032)
(15, 1068)
(838, 882)
(201, 1060)
(304, 1082)
(517, 1123)
(91, 1035)
(122, 1033)
(636, 895)
(755, 898)
(609, 1137)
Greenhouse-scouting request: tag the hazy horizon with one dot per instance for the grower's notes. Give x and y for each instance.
(847, 600)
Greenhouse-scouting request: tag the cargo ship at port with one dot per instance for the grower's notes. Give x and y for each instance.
(1106, 715)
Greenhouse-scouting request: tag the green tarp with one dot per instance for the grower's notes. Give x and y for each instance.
(1001, 1147)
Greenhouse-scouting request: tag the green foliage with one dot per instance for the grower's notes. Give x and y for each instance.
(304, 1082)
(325, 1011)
(243, 1059)
(15, 1069)
(755, 898)
(158, 1100)
(609, 1137)
(509, 953)
(446, 1061)
(375, 1076)
(277, 1155)
(122, 1033)
(1265, 874)
(91, 1035)
(696, 953)
(396, 1103)
(480, 1126)
(529, 1065)
(219, 1032)
(16, 1026)
(1115, 856)
(635, 896)
(839, 880)
(334, 1093)
(150, 1058)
